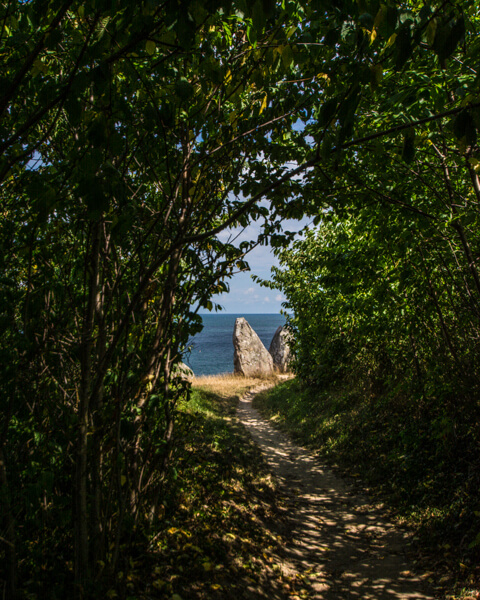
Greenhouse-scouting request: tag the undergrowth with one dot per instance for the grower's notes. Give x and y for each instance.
(423, 467)
(211, 541)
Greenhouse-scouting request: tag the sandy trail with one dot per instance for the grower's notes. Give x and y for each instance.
(346, 547)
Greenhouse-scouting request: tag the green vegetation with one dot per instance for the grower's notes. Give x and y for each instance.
(213, 543)
(384, 289)
(132, 134)
(214, 539)
(213, 536)
(123, 129)
(426, 476)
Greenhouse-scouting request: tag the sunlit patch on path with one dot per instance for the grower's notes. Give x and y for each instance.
(344, 548)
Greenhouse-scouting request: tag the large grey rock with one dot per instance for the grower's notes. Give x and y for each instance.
(250, 358)
(183, 371)
(280, 349)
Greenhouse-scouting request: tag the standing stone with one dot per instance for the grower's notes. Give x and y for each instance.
(183, 371)
(250, 358)
(280, 349)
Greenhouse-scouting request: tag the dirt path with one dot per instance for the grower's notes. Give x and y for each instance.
(343, 546)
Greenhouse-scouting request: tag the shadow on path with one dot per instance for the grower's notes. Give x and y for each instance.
(344, 547)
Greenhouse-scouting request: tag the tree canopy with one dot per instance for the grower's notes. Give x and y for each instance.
(131, 134)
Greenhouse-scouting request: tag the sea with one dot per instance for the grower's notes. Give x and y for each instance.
(212, 349)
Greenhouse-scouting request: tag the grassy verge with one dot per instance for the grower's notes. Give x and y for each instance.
(212, 541)
(426, 474)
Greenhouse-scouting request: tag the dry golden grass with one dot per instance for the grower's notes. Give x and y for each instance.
(228, 384)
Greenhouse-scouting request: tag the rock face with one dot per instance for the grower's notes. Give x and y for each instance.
(183, 371)
(250, 358)
(280, 350)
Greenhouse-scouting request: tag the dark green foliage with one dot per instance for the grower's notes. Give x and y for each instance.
(209, 540)
(384, 291)
(119, 156)
(131, 135)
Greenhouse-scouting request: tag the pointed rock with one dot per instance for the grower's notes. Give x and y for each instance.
(280, 349)
(250, 358)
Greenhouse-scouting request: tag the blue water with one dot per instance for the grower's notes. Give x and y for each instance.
(212, 348)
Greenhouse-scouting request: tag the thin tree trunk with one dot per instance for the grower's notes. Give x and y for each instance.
(159, 355)
(433, 296)
(9, 540)
(97, 399)
(82, 530)
(457, 225)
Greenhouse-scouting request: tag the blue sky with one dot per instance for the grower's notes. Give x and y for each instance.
(246, 296)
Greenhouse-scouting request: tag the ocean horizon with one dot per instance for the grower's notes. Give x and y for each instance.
(212, 349)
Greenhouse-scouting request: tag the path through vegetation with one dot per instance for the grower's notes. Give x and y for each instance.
(342, 545)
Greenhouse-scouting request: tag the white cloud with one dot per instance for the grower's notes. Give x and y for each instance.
(279, 298)
(249, 291)
(266, 299)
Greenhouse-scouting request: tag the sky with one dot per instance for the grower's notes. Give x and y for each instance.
(245, 295)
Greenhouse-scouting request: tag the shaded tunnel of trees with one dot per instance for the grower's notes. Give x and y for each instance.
(131, 135)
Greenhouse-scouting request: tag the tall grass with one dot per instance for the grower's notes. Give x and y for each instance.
(229, 384)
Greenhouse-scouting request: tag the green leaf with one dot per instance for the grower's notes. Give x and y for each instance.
(476, 542)
(184, 89)
(447, 37)
(258, 16)
(150, 47)
(185, 28)
(464, 127)
(403, 47)
(408, 150)
(376, 75)
(252, 36)
(327, 112)
(287, 56)
(431, 31)
(346, 114)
